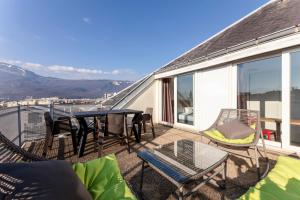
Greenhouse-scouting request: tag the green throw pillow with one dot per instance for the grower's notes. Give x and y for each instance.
(215, 134)
(103, 179)
(283, 182)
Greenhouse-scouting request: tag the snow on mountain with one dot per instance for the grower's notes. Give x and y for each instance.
(17, 83)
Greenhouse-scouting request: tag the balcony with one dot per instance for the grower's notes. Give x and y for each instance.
(240, 172)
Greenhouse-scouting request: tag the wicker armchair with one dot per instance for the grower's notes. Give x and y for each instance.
(13, 153)
(244, 117)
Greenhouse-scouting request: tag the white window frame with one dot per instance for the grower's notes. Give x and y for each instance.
(287, 65)
(235, 91)
(176, 123)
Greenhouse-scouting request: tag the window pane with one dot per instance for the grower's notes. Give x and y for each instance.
(185, 110)
(259, 88)
(295, 99)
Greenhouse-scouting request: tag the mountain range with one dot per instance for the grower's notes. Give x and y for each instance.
(17, 83)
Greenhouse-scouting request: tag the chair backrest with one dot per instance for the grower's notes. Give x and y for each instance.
(49, 123)
(115, 124)
(10, 152)
(148, 114)
(62, 124)
(250, 118)
(149, 111)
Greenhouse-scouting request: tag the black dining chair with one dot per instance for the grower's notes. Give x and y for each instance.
(147, 119)
(114, 129)
(57, 127)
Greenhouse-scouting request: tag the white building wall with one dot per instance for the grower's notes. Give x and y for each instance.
(146, 98)
(213, 91)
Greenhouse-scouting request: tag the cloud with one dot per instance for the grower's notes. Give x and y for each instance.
(86, 20)
(31, 66)
(72, 72)
(61, 68)
(12, 62)
(115, 72)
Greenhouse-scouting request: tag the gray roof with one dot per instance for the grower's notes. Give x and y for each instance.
(274, 17)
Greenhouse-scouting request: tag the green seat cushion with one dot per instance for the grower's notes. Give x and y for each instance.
(283, 182)
(218, 136)
(103, 179)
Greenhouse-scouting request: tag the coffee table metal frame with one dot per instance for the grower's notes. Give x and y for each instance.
(220, 167)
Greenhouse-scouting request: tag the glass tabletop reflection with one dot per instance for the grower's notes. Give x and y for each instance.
(189, 157)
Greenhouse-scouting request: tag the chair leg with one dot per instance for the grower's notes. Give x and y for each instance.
(257, 162)
(51, 141)
(46, 144)
(266, 158)
(74, 143)
(152, 127)
(100, 145)
(144, 126)
(126, 132)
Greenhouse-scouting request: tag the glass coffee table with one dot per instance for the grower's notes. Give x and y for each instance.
(184, 161)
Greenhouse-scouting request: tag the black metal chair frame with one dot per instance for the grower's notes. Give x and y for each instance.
(147, 118)
(53, 129)
(105, 134)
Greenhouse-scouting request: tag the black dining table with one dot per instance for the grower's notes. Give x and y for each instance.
(83, 129)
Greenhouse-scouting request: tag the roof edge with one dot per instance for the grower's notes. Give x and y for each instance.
(218, 33)
(142, 80)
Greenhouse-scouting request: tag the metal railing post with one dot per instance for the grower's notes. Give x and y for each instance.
(19, 125)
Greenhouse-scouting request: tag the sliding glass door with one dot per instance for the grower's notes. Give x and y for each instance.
(259, 88)
(185, 99)
(295, 99)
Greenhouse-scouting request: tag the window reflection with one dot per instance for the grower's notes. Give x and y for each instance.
(259, 88)
(185, 96)
(295, 99)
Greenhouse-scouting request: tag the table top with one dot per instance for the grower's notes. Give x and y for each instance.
(295, 122)
(105, 112)
(184, 159)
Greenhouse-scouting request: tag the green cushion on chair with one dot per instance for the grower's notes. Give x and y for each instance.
(283, 182)
(103, 179)
(215, 134)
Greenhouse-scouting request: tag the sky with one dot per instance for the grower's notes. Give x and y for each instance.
(109, 39)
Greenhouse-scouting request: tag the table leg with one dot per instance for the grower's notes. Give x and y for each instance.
(79, 135)
(84, 137)
(223, 185)
(126, 132)
(95, 133)
(181, 193)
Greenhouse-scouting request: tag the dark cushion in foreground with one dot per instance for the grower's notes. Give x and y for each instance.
(45, 180)
(282, 183)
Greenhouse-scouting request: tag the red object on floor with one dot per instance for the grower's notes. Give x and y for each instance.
(267, 132)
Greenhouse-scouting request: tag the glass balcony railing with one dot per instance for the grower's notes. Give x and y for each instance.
(26, 123)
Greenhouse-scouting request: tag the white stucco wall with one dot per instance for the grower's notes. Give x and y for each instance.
(146, 98)
(213, 91)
